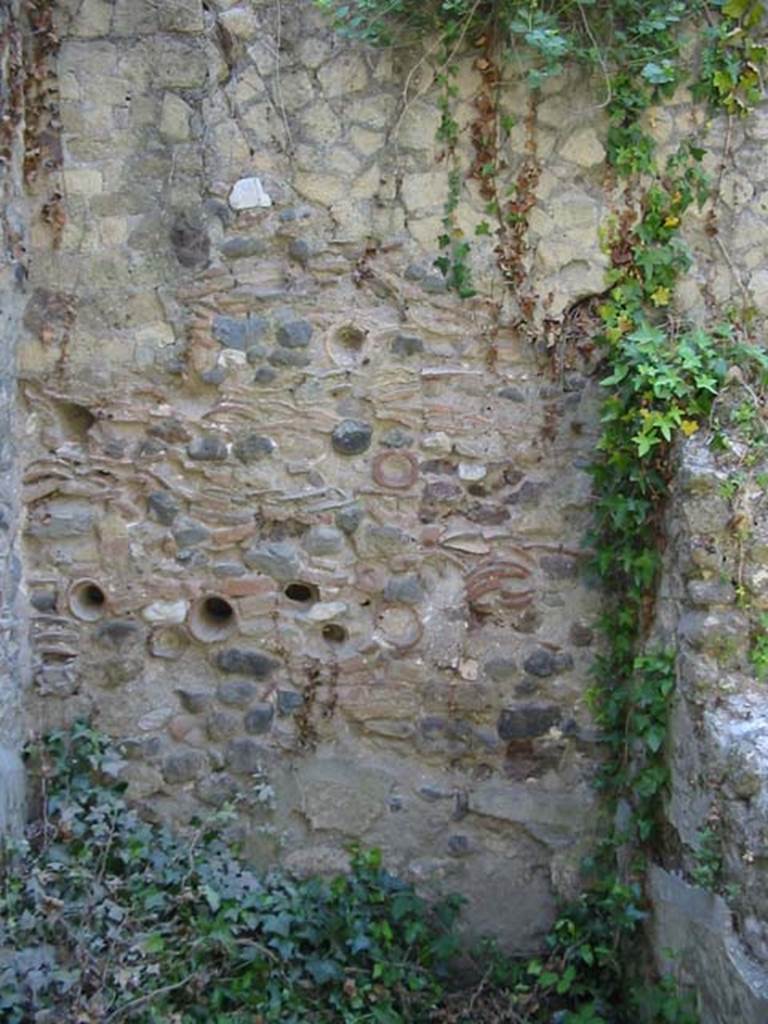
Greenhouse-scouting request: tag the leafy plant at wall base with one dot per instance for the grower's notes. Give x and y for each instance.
(107, 917)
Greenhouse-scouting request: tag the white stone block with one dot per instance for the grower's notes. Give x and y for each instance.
(248, 194)
(166, 611)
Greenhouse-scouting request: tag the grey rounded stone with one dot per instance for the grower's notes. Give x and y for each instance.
(170, 430)
(265, 375)
(288, 357)
(323, 540)
(501, 670)
(396, 438)
(541, 663)
(216, 789)
(277, 559)
(235, 693)
(244, 756)
(190, 240)
(215, 208)
(352, 437)
(255, 354)
(135, 748)
(118, 632)
(208, 448)
(527, 721)
(511, 394)
(293, 213)
(434, 283)
(215, 376)
(404, 590)
(43, 600)
(415, 272)
(221, 725)
(184, 767)
(443, 491)
(259, 719)
(407, 345)
(708, 592)
(162, 507)
(459, 846)
(294, 333)
(194, 701)
(241, 247)
(253, 448)
(150, 448)
(245, 663)
(432, 794)
(227, 569)
(300, 250)
(231, 332)
(187, 532)
(528, 494)
(348, 519)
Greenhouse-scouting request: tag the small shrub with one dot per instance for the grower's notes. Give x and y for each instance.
(105, 917)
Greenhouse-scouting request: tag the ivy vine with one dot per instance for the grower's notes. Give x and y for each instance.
(661, 381)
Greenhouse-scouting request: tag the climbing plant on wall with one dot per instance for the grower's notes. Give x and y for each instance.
(633, 48)
(660, 382)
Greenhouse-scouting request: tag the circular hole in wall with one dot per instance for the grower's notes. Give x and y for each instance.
(87, 600)
(333, 633)
(344, 344)
(350, 336)
(212, 618)
(301, 593)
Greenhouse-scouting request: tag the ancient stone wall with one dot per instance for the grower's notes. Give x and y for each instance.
(709, 889)
(13, 662)
(303, 529)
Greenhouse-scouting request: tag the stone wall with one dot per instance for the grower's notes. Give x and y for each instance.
(714, 595)
(302, 529)
(13, 662)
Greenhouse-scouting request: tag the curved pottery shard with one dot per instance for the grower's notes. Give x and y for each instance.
(503, 583)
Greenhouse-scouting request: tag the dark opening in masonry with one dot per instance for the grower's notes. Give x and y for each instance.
(333, 633)
(302, 593)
